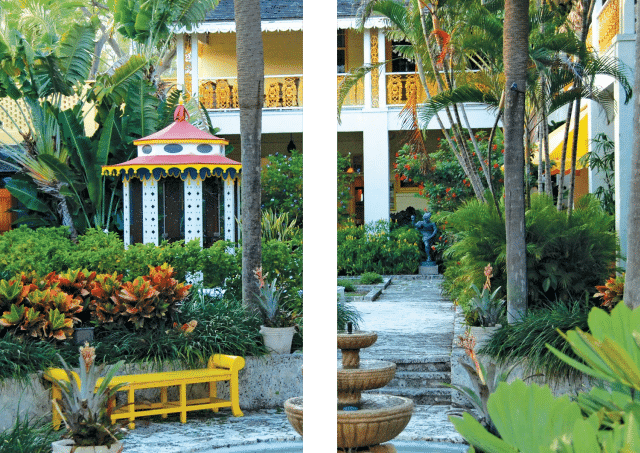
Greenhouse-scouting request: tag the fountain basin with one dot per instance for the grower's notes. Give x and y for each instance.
(359, 339)
(380, 419)
(293, 409)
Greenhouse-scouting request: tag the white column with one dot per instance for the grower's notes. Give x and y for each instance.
(375, 143)
(382, 80)
(597, 125)
(150, 211)
(195, 83)
(126, 201)
(229, 210)
(367, 60)
(180, 60)
(627, 20)
(193, 209)
(238, 214)
(624, 46)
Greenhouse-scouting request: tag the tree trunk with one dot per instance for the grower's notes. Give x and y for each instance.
(563, 157)
(515, 48)
(250, 63)
(632, 279)
(574, 153)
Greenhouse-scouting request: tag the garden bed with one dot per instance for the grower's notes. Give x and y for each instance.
(265, 382)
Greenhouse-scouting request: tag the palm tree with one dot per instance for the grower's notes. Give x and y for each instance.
(632, 279)
(516, 55)
(251, 95)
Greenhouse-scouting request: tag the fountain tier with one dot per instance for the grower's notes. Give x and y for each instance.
(380, 419)
(371, 374)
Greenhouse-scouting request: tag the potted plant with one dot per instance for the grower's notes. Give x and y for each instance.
(487, 309)
(277, 330)
(83, 408)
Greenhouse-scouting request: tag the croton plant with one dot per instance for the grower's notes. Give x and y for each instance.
(51, 306)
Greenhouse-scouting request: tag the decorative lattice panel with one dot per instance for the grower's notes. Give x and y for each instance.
(150, 211)
(193, 209)
(229, 211)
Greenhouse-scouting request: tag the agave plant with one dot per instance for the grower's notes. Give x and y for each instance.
(83, 407)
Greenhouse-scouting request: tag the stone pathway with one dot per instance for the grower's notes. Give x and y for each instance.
(415, 325)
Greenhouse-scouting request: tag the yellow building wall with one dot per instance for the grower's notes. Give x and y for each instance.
(355, 50)
(282, 54)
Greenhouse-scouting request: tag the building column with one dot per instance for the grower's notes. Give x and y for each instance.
(624, 49)
(229, 210)
(597, 125)
(195, 82)
(375, 144)
(127, 211)
(193, 220)
(382, 52)
(150, 211)
(180, 61)
(366, 61)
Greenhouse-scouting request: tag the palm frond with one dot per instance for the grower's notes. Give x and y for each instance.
(76, 53)
(459, 95)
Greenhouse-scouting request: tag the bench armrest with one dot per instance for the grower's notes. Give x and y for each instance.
(58, 374)
(229, 362)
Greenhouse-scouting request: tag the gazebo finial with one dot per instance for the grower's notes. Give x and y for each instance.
(180, 113)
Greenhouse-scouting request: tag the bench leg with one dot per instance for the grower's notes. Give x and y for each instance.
(131, 405)
(235, 396)
(163, 399)
(56, 395)
(213, 393)
(183, 403)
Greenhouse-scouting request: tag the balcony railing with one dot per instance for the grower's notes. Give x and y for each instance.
(609, 19)
(280, 91)
(356, 93)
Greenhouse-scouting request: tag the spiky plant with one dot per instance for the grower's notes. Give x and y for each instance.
(83, 408)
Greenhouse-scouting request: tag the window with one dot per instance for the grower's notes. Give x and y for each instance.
(400, 64)
(342, 51)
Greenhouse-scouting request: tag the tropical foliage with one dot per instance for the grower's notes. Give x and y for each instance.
(282, 185)
(604, 419)
(378, 247)
(566, 257)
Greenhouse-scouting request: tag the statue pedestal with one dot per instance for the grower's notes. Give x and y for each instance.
(428, 270)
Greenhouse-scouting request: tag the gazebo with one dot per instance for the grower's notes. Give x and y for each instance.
(181, 186)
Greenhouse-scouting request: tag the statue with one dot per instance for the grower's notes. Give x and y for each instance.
(428, 229)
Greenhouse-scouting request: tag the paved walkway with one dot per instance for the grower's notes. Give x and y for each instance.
(413, 321)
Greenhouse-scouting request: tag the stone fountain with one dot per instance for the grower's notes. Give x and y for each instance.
(366, 421)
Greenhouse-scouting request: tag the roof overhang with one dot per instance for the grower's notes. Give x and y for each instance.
(230, 26)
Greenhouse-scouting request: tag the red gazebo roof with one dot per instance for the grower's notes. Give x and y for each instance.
(180, 132)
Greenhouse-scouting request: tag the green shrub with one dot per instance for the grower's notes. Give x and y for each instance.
(349, 287)
(566, 256)
(44, 250)
(28, 436)
(528, 339)
(282, 184)
(370, 278)
(379, 247)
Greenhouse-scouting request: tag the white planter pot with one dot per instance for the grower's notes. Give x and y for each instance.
(66, 446)
(483, 334)
(278, 339)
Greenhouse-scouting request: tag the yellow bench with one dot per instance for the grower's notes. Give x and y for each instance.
(220, 368)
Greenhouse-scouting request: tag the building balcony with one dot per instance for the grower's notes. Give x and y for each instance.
(609, 23)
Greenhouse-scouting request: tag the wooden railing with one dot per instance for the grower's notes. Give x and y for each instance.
(609, 19)
(280, 91)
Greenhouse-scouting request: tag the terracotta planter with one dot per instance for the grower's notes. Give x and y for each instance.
(278, 339)
(67, 446)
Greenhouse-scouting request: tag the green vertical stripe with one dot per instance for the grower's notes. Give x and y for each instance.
(320, 217)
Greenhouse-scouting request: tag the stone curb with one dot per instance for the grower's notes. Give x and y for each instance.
(377, 290)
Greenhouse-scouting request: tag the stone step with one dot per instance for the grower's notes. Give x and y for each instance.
(424, 364)
(422, 396)
(419, 379)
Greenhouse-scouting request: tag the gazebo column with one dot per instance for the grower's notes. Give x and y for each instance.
(193, 209)
(229, 210)
(150, 210)
(127, 211)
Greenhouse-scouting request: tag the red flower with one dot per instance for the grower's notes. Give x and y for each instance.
(403, 177)
(503, 151)
(453, 195)
(494, 147)
(397, 154)
(415, 156)
(433, 247)
(448, 189)
(495, 165)
(407, 166)
(395, 165)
